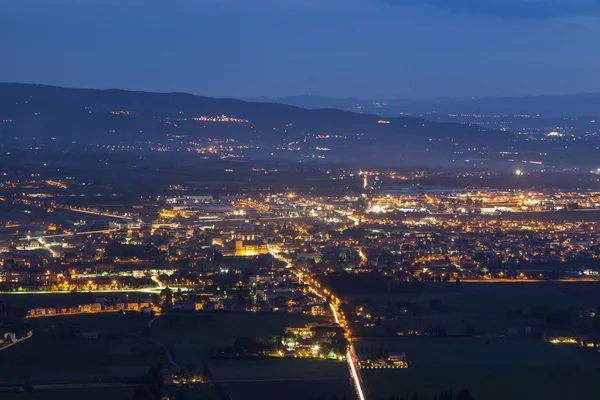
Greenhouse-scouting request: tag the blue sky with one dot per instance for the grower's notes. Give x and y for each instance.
(351, 48)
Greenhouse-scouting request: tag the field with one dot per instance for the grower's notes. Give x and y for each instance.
(495, 295)
(103, 393)
(491, 369)
(192, 336)
(487, 307)
(52, 355)
(116, 393)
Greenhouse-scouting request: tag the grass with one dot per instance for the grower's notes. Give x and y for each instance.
(488, 307)
(108, 323)
(192, 336)
(489, 368)
(116, 393)
(486, 296)
(52, 357)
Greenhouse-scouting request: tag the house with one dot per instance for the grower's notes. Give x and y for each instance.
(85, 308)
(9, 337)
(95, 307)
(317, 309)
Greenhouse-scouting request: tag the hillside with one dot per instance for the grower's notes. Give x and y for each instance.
(38, 114)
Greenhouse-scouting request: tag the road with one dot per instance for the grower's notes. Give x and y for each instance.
(144, 290)
(70, 234)
(95, 213)
(159, 283)
(350, 354)
(69, 314)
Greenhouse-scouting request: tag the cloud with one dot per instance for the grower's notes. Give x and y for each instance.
(525, 9)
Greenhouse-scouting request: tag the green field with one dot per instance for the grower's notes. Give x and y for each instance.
(52, 356)
(192, 336)
(491, 369)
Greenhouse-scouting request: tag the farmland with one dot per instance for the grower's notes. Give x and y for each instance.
(481, 308)
(491, 369)
(487, 339)
(192, 336)
(55, 354)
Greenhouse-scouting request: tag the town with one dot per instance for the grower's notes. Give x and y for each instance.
(332, 280)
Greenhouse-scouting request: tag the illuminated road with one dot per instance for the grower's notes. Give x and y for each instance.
(77, 233)
(159, 283)
(95, 213)
(44, 245)
(144, 290)
(350, 355)
(75, 313)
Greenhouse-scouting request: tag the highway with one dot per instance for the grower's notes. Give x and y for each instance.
(95, 213)
(159, 283)
(350, 354)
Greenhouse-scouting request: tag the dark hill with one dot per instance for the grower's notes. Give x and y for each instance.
(39, 114)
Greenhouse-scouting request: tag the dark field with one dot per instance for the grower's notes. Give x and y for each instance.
(491, 369)
(53, 356)
(117, 393)
(486, 360)
(192, 336)
(291, 390)
(105, 393)
(487, 307)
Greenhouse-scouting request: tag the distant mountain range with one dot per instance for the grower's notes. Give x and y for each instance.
(34, 114)
(39, 117)
(576, 105)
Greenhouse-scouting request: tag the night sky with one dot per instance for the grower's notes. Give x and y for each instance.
(339, 48)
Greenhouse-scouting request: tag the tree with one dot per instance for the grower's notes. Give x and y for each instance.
(206, 374)
(154, 376)
(189, 369)
(142, 393)
(464, 395)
